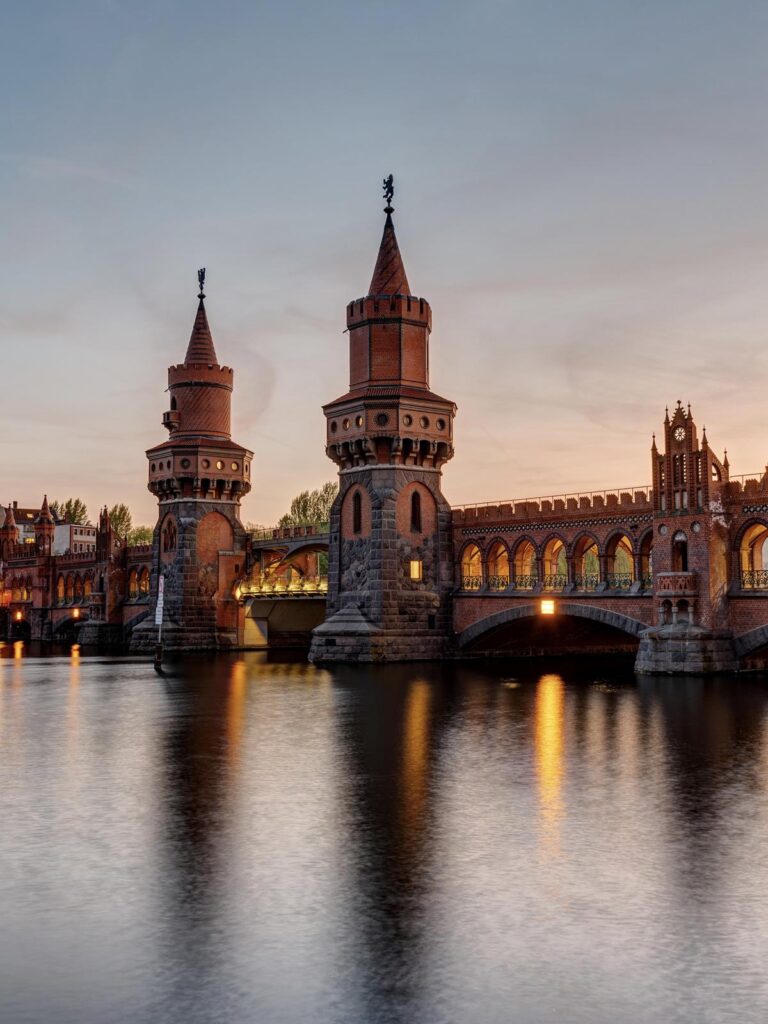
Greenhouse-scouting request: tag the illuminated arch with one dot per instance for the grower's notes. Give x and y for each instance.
(753, 556)
(497, 565)
(586, 561)
(525, 565)
(554, 564)
(633, 627)
(471, 563)
(620, 562)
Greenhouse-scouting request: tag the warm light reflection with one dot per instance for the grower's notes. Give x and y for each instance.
(549, 744)
(235, 709)
(18, 649)
(76, 613)
(73, 701)
(416, 754)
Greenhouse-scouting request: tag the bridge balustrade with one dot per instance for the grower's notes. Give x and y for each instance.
(754, 579)
(555, 581)
(586, 581)
(498, 582)
(619, 580)
(523, 582)
(471, 582)
(282, 588)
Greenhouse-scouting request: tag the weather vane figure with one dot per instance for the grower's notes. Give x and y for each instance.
(389, 191)
(201, 282)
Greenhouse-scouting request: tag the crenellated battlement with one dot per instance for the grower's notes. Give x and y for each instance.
(386, 307)
(597, 503)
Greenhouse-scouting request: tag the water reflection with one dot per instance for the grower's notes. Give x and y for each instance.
(246, 840)
(549, 742)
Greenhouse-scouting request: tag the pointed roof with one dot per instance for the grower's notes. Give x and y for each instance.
(10, 519)
(389, 273)
(45, 515)
(200, 348)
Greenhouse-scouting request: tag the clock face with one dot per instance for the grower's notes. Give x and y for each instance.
(680, 434)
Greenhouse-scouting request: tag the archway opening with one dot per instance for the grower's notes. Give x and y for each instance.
(753, 557)
(498, 567)
(471, 568)
(586, 564)
(555, 565)
(680, 552)
(562, 634)
(526, 574)
(620, 563)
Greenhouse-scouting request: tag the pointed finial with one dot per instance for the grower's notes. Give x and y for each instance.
(201, 282)
(689, 410)
(389, 191)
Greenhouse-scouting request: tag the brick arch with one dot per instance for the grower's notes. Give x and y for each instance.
(747, 525)
(751, 641)
(583, 535)
(521, 540)
(348, 512)
(530, 611)
(486, 550)
(615, 536)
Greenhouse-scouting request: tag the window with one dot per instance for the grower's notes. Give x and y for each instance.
(357, 513)
(416, 569)
(416, 512)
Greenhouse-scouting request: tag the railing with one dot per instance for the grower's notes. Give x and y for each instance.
(525, 582)
(471, 582)
(285, 588)
(498, 582)
(619, 580)
(555, 581)
(586, 581)
(754, 579)
(646, 580)
(676, 583)
(291, 532)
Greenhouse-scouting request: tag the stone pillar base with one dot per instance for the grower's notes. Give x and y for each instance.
(100, 634)
(181, 638)
(350, 636)
(685, 650)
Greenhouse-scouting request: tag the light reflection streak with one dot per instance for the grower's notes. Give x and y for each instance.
(73, 701)
(416, 754)
(549, 746)
(235, 708)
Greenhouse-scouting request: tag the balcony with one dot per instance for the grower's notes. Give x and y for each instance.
(498, 582)
(555, 581)
(678, 584)
(754, 579)
(618, 580)
(171, 420)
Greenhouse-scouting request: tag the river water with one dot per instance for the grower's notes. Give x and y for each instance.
(254, 841)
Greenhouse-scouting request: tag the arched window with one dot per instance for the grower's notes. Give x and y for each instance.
(144, 582)
(555, 565)
(753, 556)
(87, 586)
(526, 574)
(471, 568)
(61, 591)
(621, 564)
(680, 552)
(416, 512)
(498, 567)
(133, 584)
(78, 588)
(169, 536)
(70, 587)
(173, 405)
(586, 564)
(665, 613)
(357, 512)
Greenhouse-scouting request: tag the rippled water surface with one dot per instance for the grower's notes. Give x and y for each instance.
(245, 841)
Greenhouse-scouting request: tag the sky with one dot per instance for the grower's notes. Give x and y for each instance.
(581, 194)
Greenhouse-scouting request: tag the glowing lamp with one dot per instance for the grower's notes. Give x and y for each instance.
(19, 616)
(547, 607)
(76, 613)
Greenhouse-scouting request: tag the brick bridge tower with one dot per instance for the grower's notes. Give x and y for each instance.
(390, 559)
(690, 555)
(199, 477)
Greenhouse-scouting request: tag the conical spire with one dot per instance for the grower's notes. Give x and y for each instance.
(10, 519)
(45, 512)
(200, 348)
(389, 273)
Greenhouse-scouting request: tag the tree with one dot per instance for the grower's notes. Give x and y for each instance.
(121, 520)
(73, 510)
(311, 506)
(140, 535)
